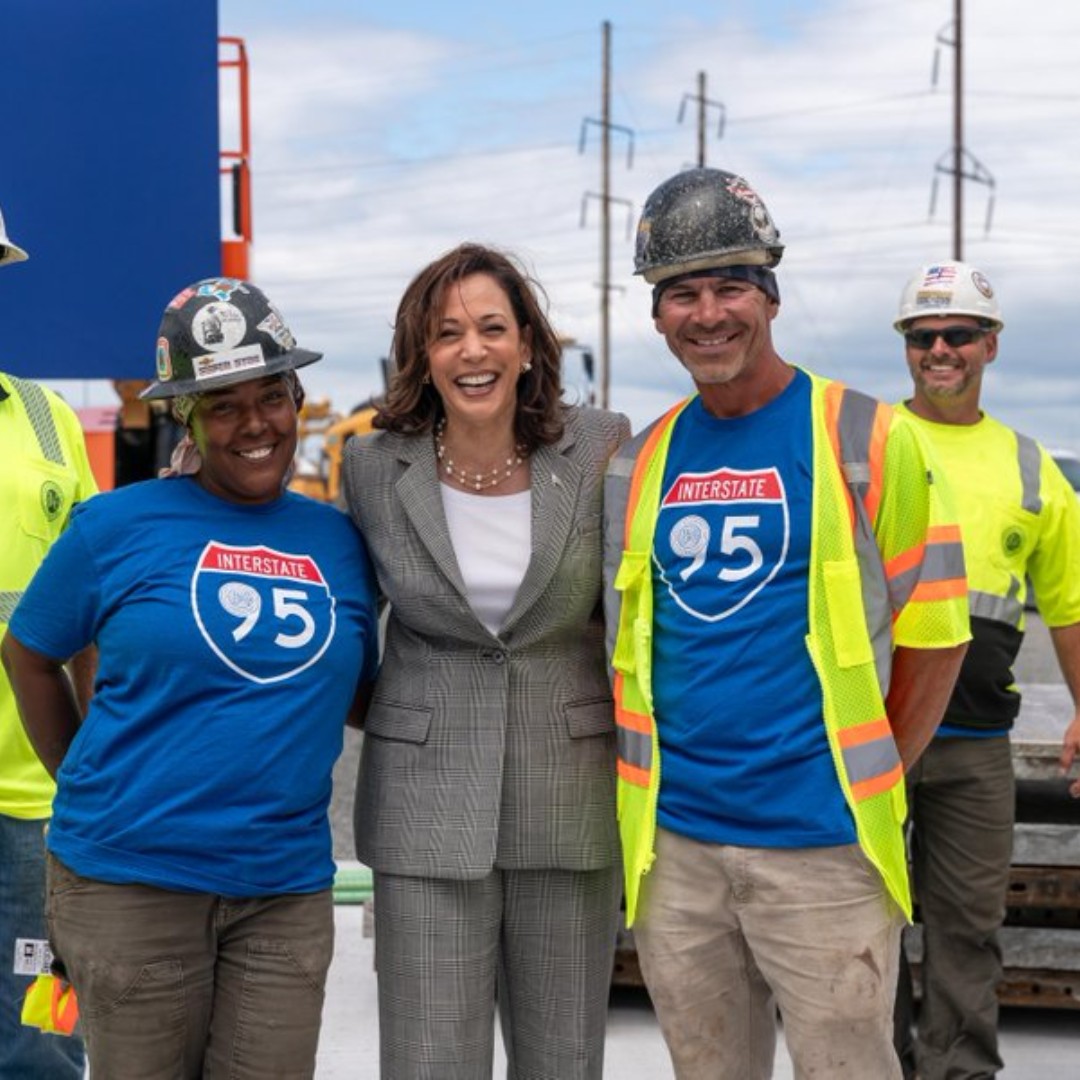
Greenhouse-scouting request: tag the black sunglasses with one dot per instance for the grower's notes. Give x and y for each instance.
(954, 336)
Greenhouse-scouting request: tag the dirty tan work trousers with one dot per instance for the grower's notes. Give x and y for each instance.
(191, 986)
(726, 935)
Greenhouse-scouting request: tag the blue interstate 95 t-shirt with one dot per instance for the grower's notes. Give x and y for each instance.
(231, 639)
(744, 755)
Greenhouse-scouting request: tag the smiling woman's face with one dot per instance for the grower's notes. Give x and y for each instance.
(477, 355)
(246, 435)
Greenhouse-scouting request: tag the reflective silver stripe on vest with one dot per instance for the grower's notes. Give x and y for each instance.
(1002, 609)
(941, 562)
(854, 428)
(1030, 461)
(8, 600)
(41, 419)
(870, 760)
(634, 747)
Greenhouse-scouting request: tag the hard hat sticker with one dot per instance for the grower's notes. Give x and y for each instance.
(164, 360)
(218, 326)
(980, 283)
(180, 299)
(721, 537)
(266, 614)
(939, 276)
(275, 327)
(933, 298)
(759, 217)
(222, 288)
(214, 365)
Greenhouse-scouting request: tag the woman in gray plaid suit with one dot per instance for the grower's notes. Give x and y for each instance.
(485, 802)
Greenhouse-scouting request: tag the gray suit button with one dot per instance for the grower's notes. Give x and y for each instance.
(499, 656)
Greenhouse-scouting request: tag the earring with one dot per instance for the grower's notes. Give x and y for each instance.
(527, 366)
(426, 379)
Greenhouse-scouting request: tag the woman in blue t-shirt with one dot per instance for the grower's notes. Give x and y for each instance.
(190, 865)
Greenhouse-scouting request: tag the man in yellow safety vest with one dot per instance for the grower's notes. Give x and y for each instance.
(45, 473)
(787, 614)
(1020, 521)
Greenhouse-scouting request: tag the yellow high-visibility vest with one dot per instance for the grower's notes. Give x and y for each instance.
(46, 473)
(886, 568)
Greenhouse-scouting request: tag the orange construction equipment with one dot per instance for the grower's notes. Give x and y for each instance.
(323, 434)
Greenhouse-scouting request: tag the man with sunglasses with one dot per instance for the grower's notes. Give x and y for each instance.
(1020, 520)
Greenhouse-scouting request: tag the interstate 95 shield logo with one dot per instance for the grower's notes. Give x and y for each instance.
(267, 614)
(720, 539)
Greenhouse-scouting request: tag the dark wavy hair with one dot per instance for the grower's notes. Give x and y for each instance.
(413, 406)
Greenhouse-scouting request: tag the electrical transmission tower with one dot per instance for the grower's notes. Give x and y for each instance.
(703, 104)
(606, 199)
(959, 163)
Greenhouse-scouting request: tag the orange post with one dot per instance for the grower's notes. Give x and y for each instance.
(236, 252)
(99, 428)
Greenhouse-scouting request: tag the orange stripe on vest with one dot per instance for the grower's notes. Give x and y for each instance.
(643, 458)
(833, 398)
(633, 721)
(948, 589)
(877, 784)
(864, 733)
(633, 774)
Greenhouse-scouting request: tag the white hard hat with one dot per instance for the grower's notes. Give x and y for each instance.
(949, 288)
(9, 252)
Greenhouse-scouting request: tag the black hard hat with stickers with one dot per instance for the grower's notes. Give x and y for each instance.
(702, 219)
(219, 332)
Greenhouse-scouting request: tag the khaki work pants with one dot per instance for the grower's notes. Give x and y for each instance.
(726, 935)
(191, 986)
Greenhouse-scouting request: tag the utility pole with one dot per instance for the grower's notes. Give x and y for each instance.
(606, 199)
(605, 220)
(958, 131)
(962, 165)
(702, 105)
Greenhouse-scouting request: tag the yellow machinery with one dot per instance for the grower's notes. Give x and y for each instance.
(323, 433)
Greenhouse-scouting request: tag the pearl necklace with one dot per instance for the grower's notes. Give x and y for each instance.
(469, 478)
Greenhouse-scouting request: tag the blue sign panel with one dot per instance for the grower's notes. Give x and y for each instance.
(108, 178)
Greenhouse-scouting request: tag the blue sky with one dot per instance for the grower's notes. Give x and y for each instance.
(385, 134)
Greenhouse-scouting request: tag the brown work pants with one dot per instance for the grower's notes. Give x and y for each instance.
(187, 986)
(962, 798)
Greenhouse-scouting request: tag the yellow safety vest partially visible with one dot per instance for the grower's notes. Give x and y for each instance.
(860, 585)
(1020, 519)
(46, 474)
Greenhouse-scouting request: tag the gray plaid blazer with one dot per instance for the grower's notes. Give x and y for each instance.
(483, 750)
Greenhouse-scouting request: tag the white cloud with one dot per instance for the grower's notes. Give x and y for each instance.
(377, 148)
